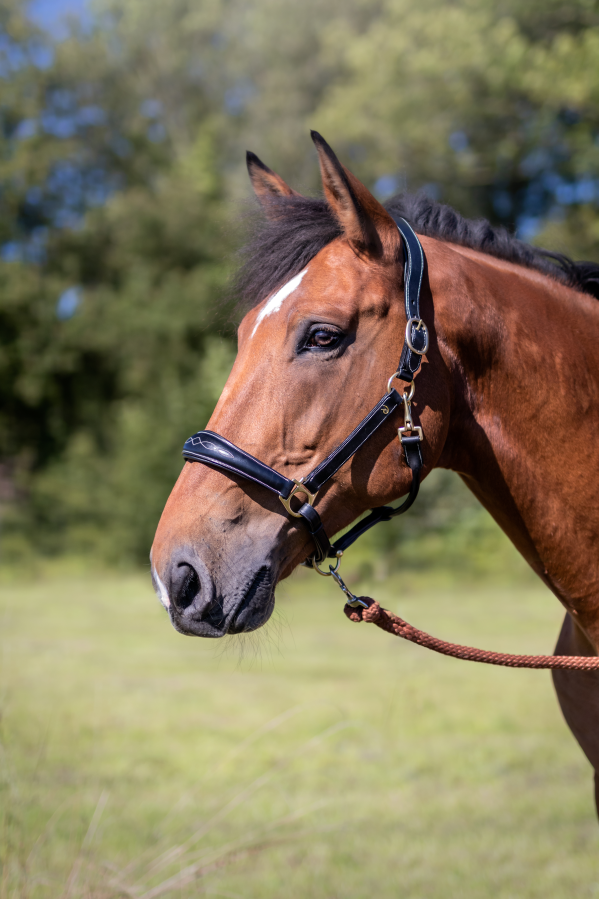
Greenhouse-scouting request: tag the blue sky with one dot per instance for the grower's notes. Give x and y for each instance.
(49, 13)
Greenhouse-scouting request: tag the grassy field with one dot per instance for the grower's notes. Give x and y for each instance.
(316, 759)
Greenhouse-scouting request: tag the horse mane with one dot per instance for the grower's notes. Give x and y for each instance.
(299, 227)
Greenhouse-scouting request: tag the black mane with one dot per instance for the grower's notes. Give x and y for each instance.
(282, 246)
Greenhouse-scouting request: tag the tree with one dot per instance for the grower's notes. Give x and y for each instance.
(494, 107)
(112, 284)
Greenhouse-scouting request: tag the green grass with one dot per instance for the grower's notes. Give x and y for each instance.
(316, 759)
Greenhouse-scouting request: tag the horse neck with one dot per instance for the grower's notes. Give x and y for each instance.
(522, 353)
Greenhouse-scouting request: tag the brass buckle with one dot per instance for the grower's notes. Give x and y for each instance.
(420, 325)
(417, 428)
(299, 488)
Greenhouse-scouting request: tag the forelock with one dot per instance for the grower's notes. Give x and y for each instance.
(297, 228)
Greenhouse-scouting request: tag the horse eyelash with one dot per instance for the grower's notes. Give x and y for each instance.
(314, 330)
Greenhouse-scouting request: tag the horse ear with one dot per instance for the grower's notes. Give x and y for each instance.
(267, 185)
(366, 223)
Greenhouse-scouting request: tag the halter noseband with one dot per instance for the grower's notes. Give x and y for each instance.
(217, 452)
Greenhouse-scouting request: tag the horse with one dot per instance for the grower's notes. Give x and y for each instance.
(507, 396)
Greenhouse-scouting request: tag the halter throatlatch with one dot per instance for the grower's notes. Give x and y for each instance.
(218, 452)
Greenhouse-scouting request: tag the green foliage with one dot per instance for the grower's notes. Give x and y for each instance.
(139, 366)
(480, 98)
(121, 163)
(577, 234)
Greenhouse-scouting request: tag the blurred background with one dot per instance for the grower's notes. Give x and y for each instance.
(124, 125)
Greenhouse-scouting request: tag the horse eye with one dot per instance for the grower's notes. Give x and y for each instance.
(323, 338)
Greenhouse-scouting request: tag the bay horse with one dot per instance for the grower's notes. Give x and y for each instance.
(507, 397)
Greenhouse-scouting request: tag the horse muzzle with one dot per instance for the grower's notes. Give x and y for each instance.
(199, 606)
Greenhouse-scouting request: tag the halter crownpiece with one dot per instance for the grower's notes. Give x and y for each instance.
(217, 452)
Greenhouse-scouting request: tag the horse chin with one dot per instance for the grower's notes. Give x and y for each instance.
(257, 605)
(226, 614)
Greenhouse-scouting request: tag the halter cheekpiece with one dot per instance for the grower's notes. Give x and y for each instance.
(218, 452)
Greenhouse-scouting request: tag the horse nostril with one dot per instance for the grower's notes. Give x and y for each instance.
(186, 586)
(191, 590)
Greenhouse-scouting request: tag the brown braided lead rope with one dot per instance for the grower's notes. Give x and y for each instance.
(393, 624)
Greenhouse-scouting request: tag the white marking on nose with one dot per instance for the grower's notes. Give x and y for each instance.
(163, 595)
(276, 301)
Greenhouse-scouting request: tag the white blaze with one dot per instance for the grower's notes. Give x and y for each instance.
(163, 591)
(276, 301)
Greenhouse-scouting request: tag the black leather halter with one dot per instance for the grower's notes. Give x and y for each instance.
(213, 450)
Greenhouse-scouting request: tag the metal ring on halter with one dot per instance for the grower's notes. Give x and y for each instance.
(332, 570)
(419, 325)
(412, 386)
(411, 394)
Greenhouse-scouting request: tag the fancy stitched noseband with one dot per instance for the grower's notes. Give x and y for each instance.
(217, 452)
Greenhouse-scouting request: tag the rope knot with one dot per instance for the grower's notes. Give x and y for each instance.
(371, 614)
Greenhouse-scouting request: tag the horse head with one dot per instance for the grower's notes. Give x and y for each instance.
(314, 355)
